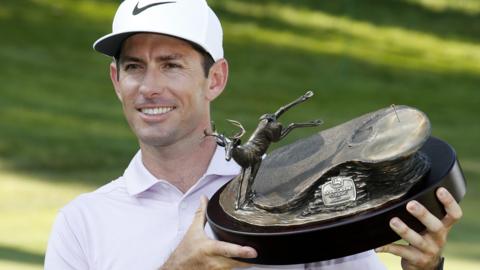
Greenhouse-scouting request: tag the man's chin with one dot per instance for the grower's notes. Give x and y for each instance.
(156, 141)
(154, 138)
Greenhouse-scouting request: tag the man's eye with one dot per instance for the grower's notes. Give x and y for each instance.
(172, 65)
(132, 66)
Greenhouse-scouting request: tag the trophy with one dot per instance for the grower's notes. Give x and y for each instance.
(340, 186)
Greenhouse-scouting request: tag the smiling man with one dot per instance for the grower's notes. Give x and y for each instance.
(168, 67)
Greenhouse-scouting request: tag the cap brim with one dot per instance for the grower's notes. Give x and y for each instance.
(111, 43)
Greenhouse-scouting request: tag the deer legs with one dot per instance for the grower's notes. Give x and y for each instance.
(293, 126)
(299, 100)
(239, 190)
(244, 198)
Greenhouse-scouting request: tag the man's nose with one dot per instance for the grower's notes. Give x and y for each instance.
(152, 84)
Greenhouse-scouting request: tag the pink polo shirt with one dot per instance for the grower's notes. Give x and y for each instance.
(136, 221)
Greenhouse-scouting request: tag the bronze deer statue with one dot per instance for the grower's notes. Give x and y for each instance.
(249, 155)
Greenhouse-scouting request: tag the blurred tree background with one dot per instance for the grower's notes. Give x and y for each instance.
(62, 131)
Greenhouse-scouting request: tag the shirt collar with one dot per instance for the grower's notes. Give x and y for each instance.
(138, 179)
(220, 166)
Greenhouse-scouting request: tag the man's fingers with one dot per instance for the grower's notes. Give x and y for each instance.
(230, 250)
(454, 211)
(200, 219)
(397, 249)
(431, 222)
(226, 263)
(425, 249)
(409, 235)
(406, 252)
(411, 256)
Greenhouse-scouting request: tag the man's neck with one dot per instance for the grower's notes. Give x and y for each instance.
(181, 164)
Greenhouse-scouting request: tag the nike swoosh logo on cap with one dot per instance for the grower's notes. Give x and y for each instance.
(137, 10)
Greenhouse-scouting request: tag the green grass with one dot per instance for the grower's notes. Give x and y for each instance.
(62, 132)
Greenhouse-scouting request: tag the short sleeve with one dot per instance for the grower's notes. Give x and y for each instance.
(64, 251)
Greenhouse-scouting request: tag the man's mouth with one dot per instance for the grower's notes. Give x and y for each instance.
(157, 110)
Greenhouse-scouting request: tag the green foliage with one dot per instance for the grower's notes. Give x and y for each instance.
(60, 122)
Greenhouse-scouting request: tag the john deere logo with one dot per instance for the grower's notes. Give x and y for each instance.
(339, 190)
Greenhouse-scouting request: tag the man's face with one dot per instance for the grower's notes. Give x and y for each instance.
(163, 89)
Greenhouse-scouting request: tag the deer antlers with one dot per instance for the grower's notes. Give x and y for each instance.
(241, 132)
(221, 139)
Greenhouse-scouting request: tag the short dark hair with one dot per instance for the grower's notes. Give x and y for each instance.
(207, 59)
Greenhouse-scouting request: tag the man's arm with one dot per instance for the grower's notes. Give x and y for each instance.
(197, 251)
(425, 249)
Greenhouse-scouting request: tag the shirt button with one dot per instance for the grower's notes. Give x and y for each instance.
(183, 205)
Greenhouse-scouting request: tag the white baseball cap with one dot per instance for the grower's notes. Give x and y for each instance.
(191, 20)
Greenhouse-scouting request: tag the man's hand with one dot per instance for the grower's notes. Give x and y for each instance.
(197, 251)
(425, 249)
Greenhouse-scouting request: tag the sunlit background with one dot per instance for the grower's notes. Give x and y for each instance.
(62, 132)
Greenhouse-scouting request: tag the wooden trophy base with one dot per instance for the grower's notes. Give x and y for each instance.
(318, 241)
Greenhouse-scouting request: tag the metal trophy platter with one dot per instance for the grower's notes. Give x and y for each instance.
(332, 194)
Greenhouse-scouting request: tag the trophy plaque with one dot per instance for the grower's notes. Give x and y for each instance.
(332, 194)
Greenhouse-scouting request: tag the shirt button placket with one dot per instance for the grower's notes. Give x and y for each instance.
(182, 213)
(183, 206)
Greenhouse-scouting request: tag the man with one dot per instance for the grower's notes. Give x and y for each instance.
(168, 67)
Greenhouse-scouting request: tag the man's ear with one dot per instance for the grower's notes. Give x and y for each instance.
(217, 79)
(115, 79)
